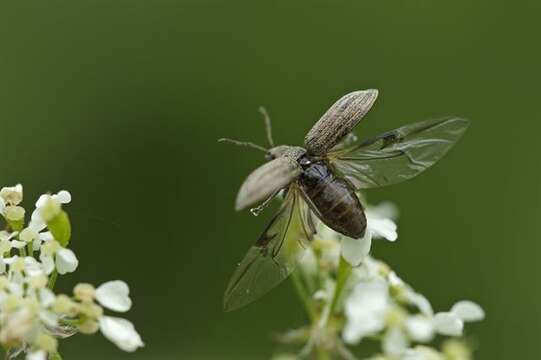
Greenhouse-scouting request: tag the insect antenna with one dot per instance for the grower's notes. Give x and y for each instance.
(243, 143)
(268, 127)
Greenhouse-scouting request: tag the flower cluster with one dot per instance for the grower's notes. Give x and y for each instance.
(352, 299)
(32, 254)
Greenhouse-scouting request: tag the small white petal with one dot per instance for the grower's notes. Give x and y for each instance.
(395, 342)
(384, 210)
(10, 260)
(420, 328)
(37, 355)
(64, 197)
(355, 250)
(449, 324)
(47, 297)
(49, 318)
(17, 244)
(2, 205)
(66, 261)
(384, 228)
(365, 310)
(42, 200)
(468, 311)
(47, 263)
(121, 332)
(114, 295)
(32, 267)
(36, 221)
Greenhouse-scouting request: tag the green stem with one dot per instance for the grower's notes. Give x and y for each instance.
(30, 248)
(344, 271)
(52, 279)
(22, 252)
(303, 295)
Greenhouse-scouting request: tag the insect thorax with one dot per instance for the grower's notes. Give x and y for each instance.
(292, 152)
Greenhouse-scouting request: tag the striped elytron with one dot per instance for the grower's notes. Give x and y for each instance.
(320, 181)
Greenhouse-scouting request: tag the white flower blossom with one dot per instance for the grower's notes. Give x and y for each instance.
(12, 195)
(365, 310)
(383, 304)
(66, 261)
(377, 226)
(121, 332)
(452, 323)
(48, 206)
(32, 317)
(114, 295)
(37, 355)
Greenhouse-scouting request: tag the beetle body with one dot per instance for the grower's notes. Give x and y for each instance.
(333, 197)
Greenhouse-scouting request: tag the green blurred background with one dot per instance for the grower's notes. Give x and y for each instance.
(121, 102)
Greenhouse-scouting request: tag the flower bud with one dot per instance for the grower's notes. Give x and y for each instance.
(64, 305)
(88, 326)
(46, 342)
(28, 235)
(84, 292)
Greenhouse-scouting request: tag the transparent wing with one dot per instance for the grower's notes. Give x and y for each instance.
(274, 255)
(397, 155)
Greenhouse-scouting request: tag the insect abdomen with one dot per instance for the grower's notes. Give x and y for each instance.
(338, 206)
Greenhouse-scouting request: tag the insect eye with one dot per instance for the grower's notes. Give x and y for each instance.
(305, 162)
(269, 156)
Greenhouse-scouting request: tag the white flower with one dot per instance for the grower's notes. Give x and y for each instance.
(121, 332)
(365, 310)
(447, 323)
(12, 195)
(422, 353)
(66, 261)
(48, 206)
(37, 355)
(468, 311)
(395, 342)
(114, 295)
(355, 250)
(452, 323)
(420, 328)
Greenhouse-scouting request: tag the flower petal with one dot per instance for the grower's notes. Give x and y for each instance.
(355, 250)
(121, 332)
(395, 342)
(37, 355)
(114, 295)
(64, 197)
(384, 228)
(66, 261)
(447, 323)
(468, 311)
(420, 328)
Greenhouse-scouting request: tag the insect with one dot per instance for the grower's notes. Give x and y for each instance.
(320, 181)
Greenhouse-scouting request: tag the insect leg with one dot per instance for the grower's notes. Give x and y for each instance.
(255, 211)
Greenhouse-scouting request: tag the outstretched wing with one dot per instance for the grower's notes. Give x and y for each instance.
(397, 155)
(274, 255)
(339, 120)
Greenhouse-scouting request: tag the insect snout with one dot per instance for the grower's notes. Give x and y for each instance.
(269, 156)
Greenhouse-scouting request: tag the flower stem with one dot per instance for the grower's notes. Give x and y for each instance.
(30, 248)
(303, 295)
(344, 270)
(52, 279)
